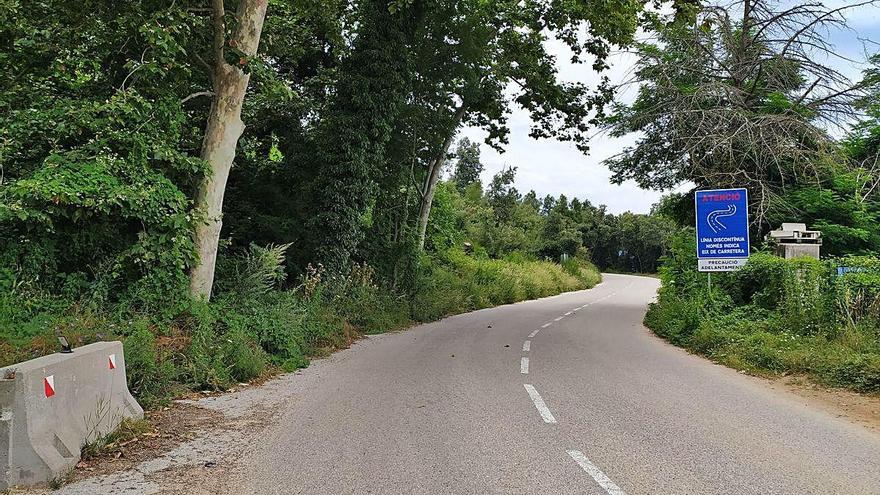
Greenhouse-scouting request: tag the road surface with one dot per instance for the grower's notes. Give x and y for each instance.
(564, 395)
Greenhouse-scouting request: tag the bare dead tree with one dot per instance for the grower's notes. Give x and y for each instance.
(744, 95)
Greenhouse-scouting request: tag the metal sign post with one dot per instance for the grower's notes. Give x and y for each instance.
(722, 229)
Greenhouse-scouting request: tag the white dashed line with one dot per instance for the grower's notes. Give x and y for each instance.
(546, 415)
(567, 314)
(597, 474)
(545, 325)
(524, 366)
(527, 345)
(532, 335)
(557, 319)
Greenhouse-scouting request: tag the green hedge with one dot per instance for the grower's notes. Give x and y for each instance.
(776, 315)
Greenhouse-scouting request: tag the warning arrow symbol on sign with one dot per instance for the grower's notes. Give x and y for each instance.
(49, 385)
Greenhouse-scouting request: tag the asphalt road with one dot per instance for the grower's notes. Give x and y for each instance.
(604, 408)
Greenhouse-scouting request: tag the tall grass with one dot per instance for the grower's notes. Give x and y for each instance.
(457, 282)
(253, 327)
(777, 316)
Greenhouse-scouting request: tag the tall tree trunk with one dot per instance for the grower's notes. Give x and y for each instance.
(223, 129)
(433, 177)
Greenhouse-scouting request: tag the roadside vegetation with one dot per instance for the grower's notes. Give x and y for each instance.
(350, 208)
(776, 316)
(744, 96)
(258, 323)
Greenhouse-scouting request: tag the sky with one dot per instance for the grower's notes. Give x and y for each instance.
(554, 168)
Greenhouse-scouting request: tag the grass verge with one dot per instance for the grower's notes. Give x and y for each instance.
(777, 316)
(250, 331)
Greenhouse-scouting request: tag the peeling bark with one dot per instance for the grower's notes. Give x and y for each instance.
(224, 127)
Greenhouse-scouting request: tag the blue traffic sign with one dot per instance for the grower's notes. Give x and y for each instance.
(722, 229)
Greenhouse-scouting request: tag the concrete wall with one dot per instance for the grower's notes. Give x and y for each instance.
(789, 251)
(7, 390)
(56, 404)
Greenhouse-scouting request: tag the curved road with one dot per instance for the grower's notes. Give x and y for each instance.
(601, 407)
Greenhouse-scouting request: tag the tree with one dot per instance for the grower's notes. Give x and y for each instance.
(112, 171)
(531, 199)
(547, 204)
(740, 96)
(229, 82)
(501, 195)
(467, 164)
(374, 81)
(844, 203)
(474, 52)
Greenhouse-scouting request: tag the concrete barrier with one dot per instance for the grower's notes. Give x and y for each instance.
(51, 406)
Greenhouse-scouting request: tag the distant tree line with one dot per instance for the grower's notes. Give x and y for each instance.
(499, 221)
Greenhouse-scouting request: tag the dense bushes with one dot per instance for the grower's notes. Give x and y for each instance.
(819, 318)
(456, 283)
(254, 325)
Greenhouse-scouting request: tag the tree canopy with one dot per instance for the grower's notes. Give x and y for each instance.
(740, 96)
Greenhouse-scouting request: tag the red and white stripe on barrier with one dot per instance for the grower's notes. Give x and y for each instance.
(49, 381)
(49, 386)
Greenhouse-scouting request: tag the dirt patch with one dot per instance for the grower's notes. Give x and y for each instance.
(861, 409)
(169, 427)
(206, 479)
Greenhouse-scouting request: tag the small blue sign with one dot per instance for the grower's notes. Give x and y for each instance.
(722, 229)
(843, 270)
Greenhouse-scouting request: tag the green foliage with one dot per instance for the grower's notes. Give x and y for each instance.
(149, 371)
(776, 315)
(93, 160)
(368, 98)
(840, 206)
(502, 221)
(768, 133)
(103, 111)
(457, 283)
(467, 164)
(360, 300)
(254, 272)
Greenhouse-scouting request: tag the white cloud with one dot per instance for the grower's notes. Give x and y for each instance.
(554, 168)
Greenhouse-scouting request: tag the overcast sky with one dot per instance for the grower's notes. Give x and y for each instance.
(550, 167)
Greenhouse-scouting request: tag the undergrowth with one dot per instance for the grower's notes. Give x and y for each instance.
(128, 430)
(259, 323)
(776, 316)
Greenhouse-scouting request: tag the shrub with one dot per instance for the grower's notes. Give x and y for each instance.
(253, 272)
(252, 326)
(244, 359)
(456, 282)
(776, 315)
(149, 372)
(860, 372)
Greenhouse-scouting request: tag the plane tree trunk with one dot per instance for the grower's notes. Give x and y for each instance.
(224, 127)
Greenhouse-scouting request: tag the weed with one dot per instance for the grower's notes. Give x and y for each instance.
(128, 430)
